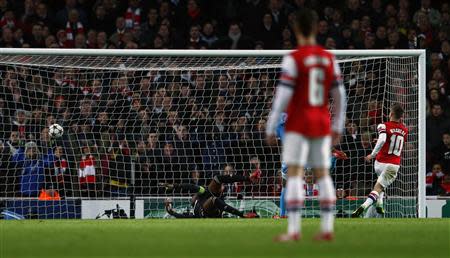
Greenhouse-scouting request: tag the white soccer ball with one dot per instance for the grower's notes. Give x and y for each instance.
(55, 131)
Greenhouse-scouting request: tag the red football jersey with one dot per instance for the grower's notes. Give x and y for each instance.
(396, 134)
(311, 71)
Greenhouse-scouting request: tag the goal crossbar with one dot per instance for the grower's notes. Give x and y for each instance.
(199, 53)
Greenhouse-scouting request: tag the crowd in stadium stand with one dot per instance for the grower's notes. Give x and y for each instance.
(167, 145)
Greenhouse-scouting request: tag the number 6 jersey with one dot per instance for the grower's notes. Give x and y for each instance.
(396, 134)
(311, 71)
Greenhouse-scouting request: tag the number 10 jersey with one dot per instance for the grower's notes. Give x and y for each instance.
(396, 134)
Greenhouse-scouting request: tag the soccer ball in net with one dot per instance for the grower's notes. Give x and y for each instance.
(55, 131)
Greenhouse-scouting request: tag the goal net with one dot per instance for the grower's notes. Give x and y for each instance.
(133, 120)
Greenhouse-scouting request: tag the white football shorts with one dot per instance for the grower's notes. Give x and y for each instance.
(386, 172)
(306, 152)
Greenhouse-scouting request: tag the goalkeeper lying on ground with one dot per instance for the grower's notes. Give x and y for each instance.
(208, 201)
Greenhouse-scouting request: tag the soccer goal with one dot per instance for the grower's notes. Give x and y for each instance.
(134, 119)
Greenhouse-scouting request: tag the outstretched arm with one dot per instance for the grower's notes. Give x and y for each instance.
(380, 142)
(172, 212)
(191, 188)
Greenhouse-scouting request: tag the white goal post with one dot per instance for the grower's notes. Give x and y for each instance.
(235, 94)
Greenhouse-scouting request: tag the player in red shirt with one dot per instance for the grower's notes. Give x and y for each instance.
(387, 153)
(309, 76)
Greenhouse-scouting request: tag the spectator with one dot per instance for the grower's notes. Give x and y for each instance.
(276, 9)
(5, 124)
(63, 15)
(208, 34)
(8, 175)
(352, 10)
(377, 13)
(87, 172)
(403, 21)
(35, 124)
(91, 41)
(322, 32)
(73, 28)
(269, 34)
(149, 28)
(255, 167)
(434, 179)
(19, 37)
(44, 138)
(194, 177)
(62, 39)
(433, 14)
(330, 43)
(8, 40)
(32, 163)
(50, 41)
(80, 41)
(235, 39)
(158, 42)
(119, 169)
(195, 15)
(165, 11)
(195, 41)
(439, 78)
(28, 11)
(437, 124)
(8, 20)
(436, 97)
(101, 21)
(42, 16)
(142, 176)
(19, 124)
(395, 42)
(133, 14)
(362, 173)
(349, 145)
(336, 23)
(229, 189)
(14, 141)
(213, 148)
(117, 38)
(153, 150)
(381, 40)
(61, 177)
(102, 127)
(443, 152)
(102, 40)
(436, 61)
(174, 168)
(445, 185)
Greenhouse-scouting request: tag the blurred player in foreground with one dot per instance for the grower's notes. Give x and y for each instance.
(336, 154)
(208, 201)
(309, 76)
(387, 153)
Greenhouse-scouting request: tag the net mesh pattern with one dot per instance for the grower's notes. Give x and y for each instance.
(134, 122)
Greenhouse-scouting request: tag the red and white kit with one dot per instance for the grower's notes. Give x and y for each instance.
(388, 151)
(309, 76)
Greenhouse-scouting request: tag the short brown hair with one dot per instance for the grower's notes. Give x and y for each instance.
(397, 111)
(306, 20)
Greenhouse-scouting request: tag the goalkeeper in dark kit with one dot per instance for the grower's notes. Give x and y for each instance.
(208, 201)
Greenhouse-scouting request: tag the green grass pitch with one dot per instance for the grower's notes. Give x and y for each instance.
(221, 238)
